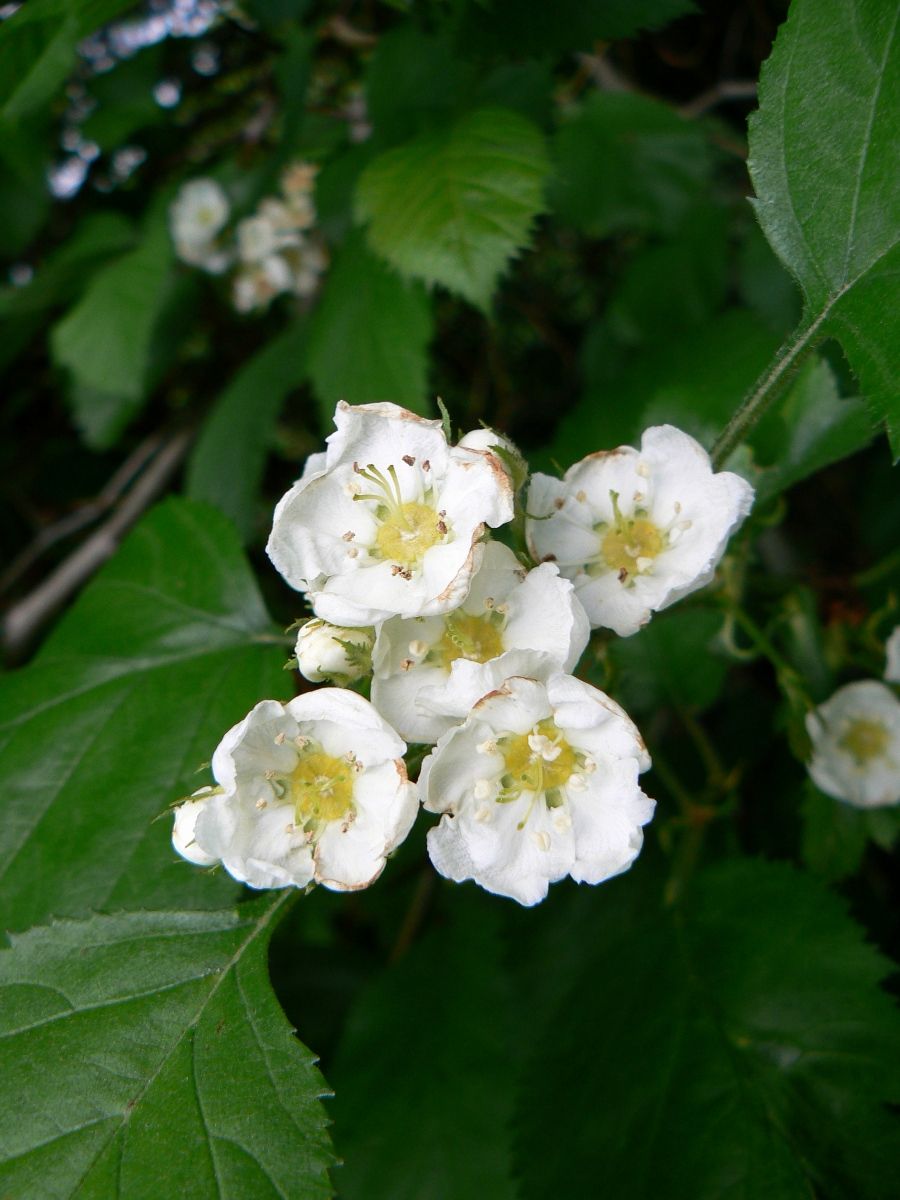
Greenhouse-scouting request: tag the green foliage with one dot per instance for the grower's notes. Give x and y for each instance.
(455, 204)
(432, 1017)
(134, 1041)
(742, 1043)
(165, 650)
(533, 27)
(811, 429)
(691, 382)
(706, 1025)
(674, 660)
(369, 335)
(835, 226)
(38, 46)
(106, 340)
(226, 465)
(626, 162)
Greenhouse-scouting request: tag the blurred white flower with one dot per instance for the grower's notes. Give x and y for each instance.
(429, 671)
(540, 782)
(196, 217)
(393, 525)
(856, 745)
(892, 652)
(636, 530)
(334, 652)
(260, 238)
(312, 791)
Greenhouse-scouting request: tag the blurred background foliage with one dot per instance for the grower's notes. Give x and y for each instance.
(613, 277)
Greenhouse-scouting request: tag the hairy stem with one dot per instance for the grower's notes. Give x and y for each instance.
(767, 387)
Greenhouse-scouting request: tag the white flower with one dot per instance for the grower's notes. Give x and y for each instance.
(333, 652)
(393, 525)
(637, 530)
(429, 671)
(312, 791)
(255, 286)
(195, 218)
(856, 745)
(892, 651)
(540, 782)
(260, 238)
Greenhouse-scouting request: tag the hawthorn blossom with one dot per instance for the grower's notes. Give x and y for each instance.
(636, 530)
(541, 781)
(429, 671)
(312, 791)
(892, 653)
(856, 745)
(196, 217)
(333, 652)
(393, 524)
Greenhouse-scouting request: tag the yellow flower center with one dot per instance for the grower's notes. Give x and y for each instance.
(628, 542)
(477, 638)
(408, 531)
(628, 545)
(321, 788)
(538, 761)
(865, 740)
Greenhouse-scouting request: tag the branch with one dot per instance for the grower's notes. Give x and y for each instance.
(24, 619)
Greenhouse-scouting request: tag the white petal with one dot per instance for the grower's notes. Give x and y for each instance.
(183, 834)
(892, 652)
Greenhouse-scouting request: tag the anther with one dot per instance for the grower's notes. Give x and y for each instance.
(409, 460)
(348, 536)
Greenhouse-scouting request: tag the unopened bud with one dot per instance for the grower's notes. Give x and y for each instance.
(333, 652)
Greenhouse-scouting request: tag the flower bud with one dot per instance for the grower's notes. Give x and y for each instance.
(332, 652)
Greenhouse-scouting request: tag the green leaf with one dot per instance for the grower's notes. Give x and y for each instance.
(227, 462)
(162, 653)
(454, 205)
(423, 1078)
(38, 47)
(825, 158)
(106, 340)
(812, 428)
(369, 335)
(532, 27)
(134, 1043)
(671, 661)
(628, 163)
(741, 1046)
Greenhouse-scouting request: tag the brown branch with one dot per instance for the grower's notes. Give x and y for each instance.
(27, 617)
(727, 89)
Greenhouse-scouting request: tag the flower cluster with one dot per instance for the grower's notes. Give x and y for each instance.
(855, 738)
(470, 648)
(273, 252)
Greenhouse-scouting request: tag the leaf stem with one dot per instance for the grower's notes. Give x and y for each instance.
(766, 388)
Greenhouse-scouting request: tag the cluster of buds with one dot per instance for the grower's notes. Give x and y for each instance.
(272, 252)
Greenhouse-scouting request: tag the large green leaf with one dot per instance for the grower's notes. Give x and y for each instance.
(455, 204)
(825, 159)
(424, 1077)
(740, 1046)
(227, 462)
(143, 1054)
(626, 163)
(369, 335)
(106, 340)
(162, 653)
